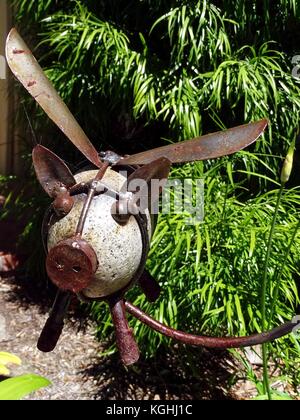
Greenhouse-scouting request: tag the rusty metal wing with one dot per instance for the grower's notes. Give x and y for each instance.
(27, 70)
(209, 146)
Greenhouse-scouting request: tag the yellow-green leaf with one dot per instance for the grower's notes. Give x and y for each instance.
(5, 359)
(19, 387)
(3, 370)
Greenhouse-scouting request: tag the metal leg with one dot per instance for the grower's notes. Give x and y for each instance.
(126, 343)
(149, 286)
(55, 323)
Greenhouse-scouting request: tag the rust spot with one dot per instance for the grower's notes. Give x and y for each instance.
(72, 267)
(126, 343)
(15, 51)
(63, 203)
(32, 83)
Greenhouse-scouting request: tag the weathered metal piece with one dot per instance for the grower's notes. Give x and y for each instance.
(126, 343)
(149, 286)
(110, 157)
(119, 249)
(84, 212)
(52, 173)
(212, 342)
(63, 203)
(157, 171)
(122, 210)
(27, 70)
(91, 193)
(143, 224)
(71, 264)
(55, 323)
(80, 188)
(143, 193)
(210, 146)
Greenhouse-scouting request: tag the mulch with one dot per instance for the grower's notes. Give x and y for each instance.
(79, 372)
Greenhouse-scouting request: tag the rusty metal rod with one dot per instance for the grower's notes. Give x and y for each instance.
(80, 188)
(129, 351)
(100, 188)
(84, 212)
(212, 342)
(89, 199)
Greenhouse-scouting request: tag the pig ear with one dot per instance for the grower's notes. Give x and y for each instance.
(52, 173)
(157, 170)
(144, 194)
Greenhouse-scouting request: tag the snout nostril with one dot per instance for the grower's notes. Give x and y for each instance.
(76, 269)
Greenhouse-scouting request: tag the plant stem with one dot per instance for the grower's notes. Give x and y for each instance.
(265, 371)
(264, 292)
(279, 275)
(269, 246)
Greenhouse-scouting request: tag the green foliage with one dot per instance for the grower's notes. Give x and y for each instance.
(176, 70)
(252, 376)
(20, 386)
(184, 67)
(211, 272)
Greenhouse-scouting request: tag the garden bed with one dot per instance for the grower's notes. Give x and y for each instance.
(76, 369)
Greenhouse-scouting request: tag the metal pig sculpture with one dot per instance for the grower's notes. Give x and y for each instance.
(97, 237)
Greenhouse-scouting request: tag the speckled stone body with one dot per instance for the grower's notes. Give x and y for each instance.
(118, 247)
